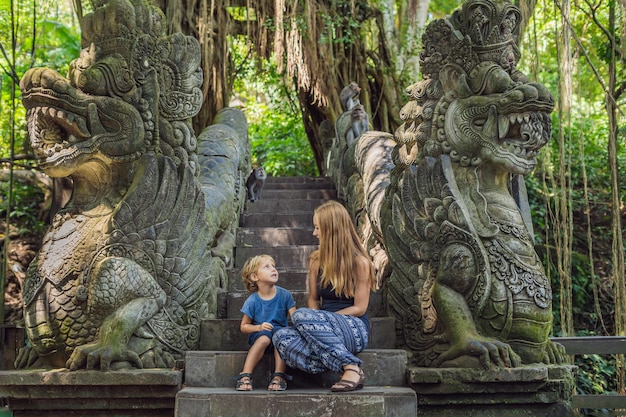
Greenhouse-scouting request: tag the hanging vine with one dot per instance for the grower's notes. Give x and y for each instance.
(563, 205)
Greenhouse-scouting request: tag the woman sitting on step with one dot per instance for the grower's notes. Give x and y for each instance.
(334, 328)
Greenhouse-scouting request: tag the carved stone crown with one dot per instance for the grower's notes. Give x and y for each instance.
(115, 25)
(493, 28)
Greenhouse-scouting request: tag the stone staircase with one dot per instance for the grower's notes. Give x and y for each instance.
(280, 224)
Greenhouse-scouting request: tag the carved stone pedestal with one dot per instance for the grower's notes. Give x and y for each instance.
(537, 391)
(56, 393)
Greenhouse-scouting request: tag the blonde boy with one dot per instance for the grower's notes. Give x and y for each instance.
(266, 310)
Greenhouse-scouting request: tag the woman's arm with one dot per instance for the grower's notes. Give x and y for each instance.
(362, 288)
(314, 299)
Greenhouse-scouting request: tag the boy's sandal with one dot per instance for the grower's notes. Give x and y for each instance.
(244, 382)
(279, 381)
(345, 385)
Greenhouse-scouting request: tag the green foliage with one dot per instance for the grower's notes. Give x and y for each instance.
(443, 8)
(596, 374)
(60, 44)
(30, 42)
(279, 143)
(276, 131)
(26, 204)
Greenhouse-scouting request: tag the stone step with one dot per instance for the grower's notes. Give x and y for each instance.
(294, 256)
(215, 369)
(275, 236)
(300, 182)
(230, 303)
(282, 206)
(300, 219)
(298, 194)
(294, 185)
(292, 279)
(226, 402)
(224, 334)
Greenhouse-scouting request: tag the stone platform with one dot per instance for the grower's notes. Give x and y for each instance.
(528, 391)
(61, 393)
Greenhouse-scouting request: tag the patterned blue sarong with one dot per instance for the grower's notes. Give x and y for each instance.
(321, 340)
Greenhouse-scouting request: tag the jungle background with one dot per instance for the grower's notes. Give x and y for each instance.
(285, 61)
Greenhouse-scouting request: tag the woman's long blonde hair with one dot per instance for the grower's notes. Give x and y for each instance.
(339, 247)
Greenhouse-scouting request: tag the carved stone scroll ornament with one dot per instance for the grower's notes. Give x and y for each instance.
(125, 272)
(467, 288)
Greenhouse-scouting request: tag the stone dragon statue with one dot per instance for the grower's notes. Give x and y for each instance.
(465, 284)
(129, 265)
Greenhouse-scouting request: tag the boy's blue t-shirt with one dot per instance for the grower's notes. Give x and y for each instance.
(274, 311)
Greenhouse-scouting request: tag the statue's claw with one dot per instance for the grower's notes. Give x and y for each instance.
(488, 351)
(96, 356)
(555, 353)
(26, 358)
(157, 358)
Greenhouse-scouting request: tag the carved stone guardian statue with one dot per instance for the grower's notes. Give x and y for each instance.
(125, 273)
(467, 287)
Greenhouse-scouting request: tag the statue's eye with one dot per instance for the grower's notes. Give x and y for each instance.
(479, 122)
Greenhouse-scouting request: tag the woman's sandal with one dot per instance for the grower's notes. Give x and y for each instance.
(345, 385)
(279, 381)
(244, 382)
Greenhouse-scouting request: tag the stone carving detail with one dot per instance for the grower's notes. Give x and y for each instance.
(134, 260)
(467, 287)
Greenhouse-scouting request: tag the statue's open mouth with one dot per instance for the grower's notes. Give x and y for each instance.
(523, 134)
(62, 120)
(65, 123)
(54, 133)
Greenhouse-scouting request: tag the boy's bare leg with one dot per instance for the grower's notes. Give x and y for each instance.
(256, 352)
(279, 364)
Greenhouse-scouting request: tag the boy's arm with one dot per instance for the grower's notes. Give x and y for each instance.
(246, 325)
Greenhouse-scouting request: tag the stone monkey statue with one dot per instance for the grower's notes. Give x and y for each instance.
(255, 183)
(348, 128)
(349, 96)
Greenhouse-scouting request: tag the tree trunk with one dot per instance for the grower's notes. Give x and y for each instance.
(616, 201)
